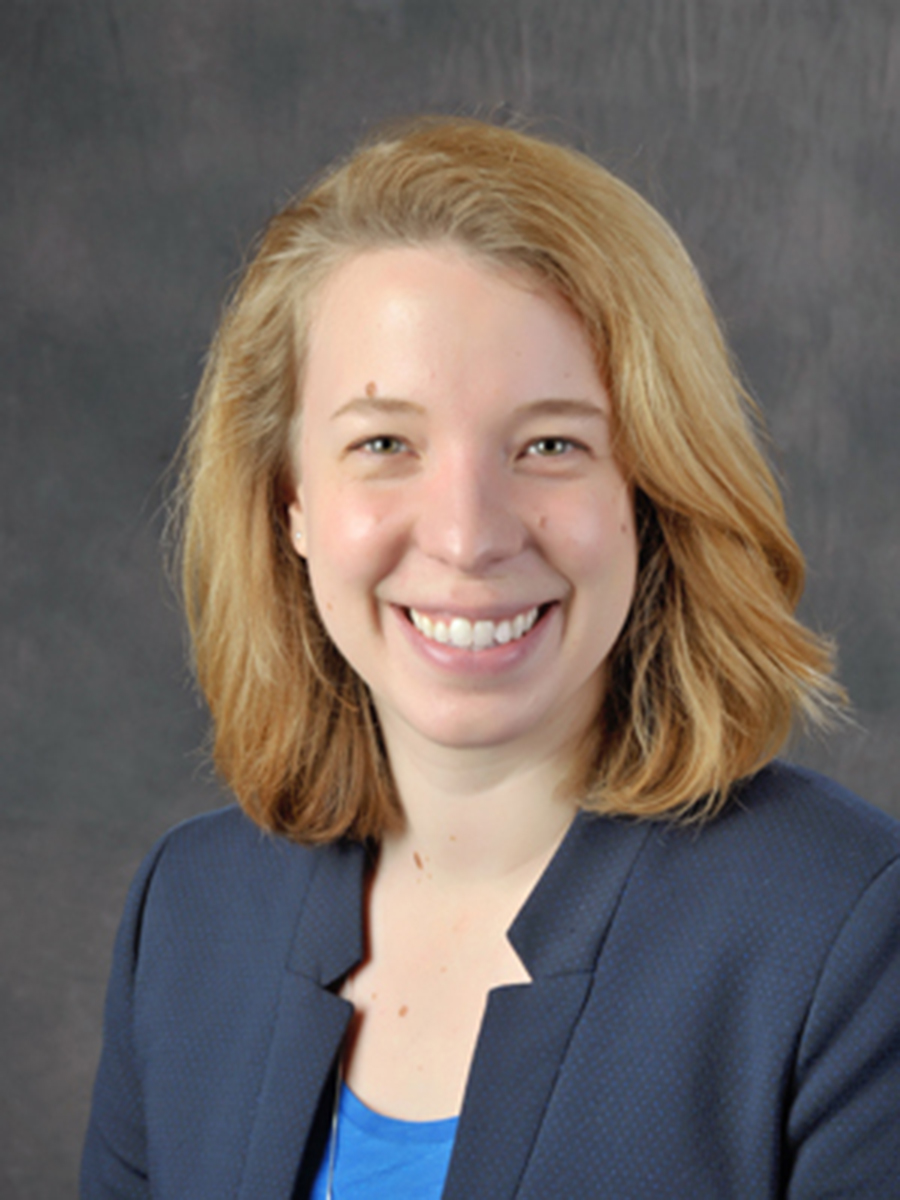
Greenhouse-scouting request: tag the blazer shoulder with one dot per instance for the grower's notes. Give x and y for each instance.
(792, 803)
(220, 871)
(227, 837)
(791, 848)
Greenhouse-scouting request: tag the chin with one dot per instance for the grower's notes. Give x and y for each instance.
(472, 739)
(479, 728)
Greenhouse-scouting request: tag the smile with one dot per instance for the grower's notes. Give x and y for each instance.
(474, 635)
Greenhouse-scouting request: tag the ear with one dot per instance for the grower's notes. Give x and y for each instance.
(297, 524)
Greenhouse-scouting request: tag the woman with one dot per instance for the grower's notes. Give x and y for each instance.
(491, 596)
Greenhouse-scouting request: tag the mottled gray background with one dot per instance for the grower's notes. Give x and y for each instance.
(143, 144)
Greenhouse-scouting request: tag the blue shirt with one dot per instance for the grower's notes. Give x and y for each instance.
(380, 1158)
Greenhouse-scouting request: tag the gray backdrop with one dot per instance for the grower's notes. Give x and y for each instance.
(143, 144)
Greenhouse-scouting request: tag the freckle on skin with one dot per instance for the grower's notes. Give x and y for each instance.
(418, 860)
(371, 388)
(403, 1011)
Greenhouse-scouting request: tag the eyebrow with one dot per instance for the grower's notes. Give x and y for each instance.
(562, 408)
(361, 405)
(377, 404)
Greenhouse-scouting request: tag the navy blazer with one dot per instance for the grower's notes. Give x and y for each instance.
(714, 1012)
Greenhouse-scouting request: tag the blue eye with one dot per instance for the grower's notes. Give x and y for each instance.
(384, 444)
(550, 447)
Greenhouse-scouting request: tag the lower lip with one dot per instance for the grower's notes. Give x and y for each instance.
(493, 660)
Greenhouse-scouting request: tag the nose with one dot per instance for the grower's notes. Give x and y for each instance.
(467, 517)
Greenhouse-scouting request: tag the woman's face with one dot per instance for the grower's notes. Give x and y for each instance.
(470, 536)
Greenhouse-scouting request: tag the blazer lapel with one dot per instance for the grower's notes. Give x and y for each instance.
(309, 1025)
(527, 1028)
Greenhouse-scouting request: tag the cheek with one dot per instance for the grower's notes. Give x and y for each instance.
(597, 534)
(349, 544)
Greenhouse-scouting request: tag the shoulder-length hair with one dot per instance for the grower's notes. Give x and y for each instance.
(711, 668)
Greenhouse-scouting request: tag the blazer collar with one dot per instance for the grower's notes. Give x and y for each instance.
(558, 935)
(311, 1019)
(328, 940)
(526, 1030)
(561, 927)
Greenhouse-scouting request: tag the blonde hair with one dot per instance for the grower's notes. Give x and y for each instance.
(711, 668)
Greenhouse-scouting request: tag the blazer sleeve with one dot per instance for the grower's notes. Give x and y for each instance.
(114, 1161)
(845, 1119)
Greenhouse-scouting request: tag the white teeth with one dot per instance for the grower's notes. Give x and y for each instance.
(483, 634)
(474, 635)
(461, 633)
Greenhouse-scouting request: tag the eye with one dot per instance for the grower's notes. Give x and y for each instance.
(551, 447)
(383, 445)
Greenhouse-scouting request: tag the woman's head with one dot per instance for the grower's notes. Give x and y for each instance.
(710, 668)
(468, 531)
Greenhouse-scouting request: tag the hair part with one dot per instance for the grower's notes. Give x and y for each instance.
(712, 667)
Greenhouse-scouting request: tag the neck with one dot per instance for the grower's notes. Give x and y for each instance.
(477, 816)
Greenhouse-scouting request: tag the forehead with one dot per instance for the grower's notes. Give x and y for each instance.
(379, 269)
(444, 303)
